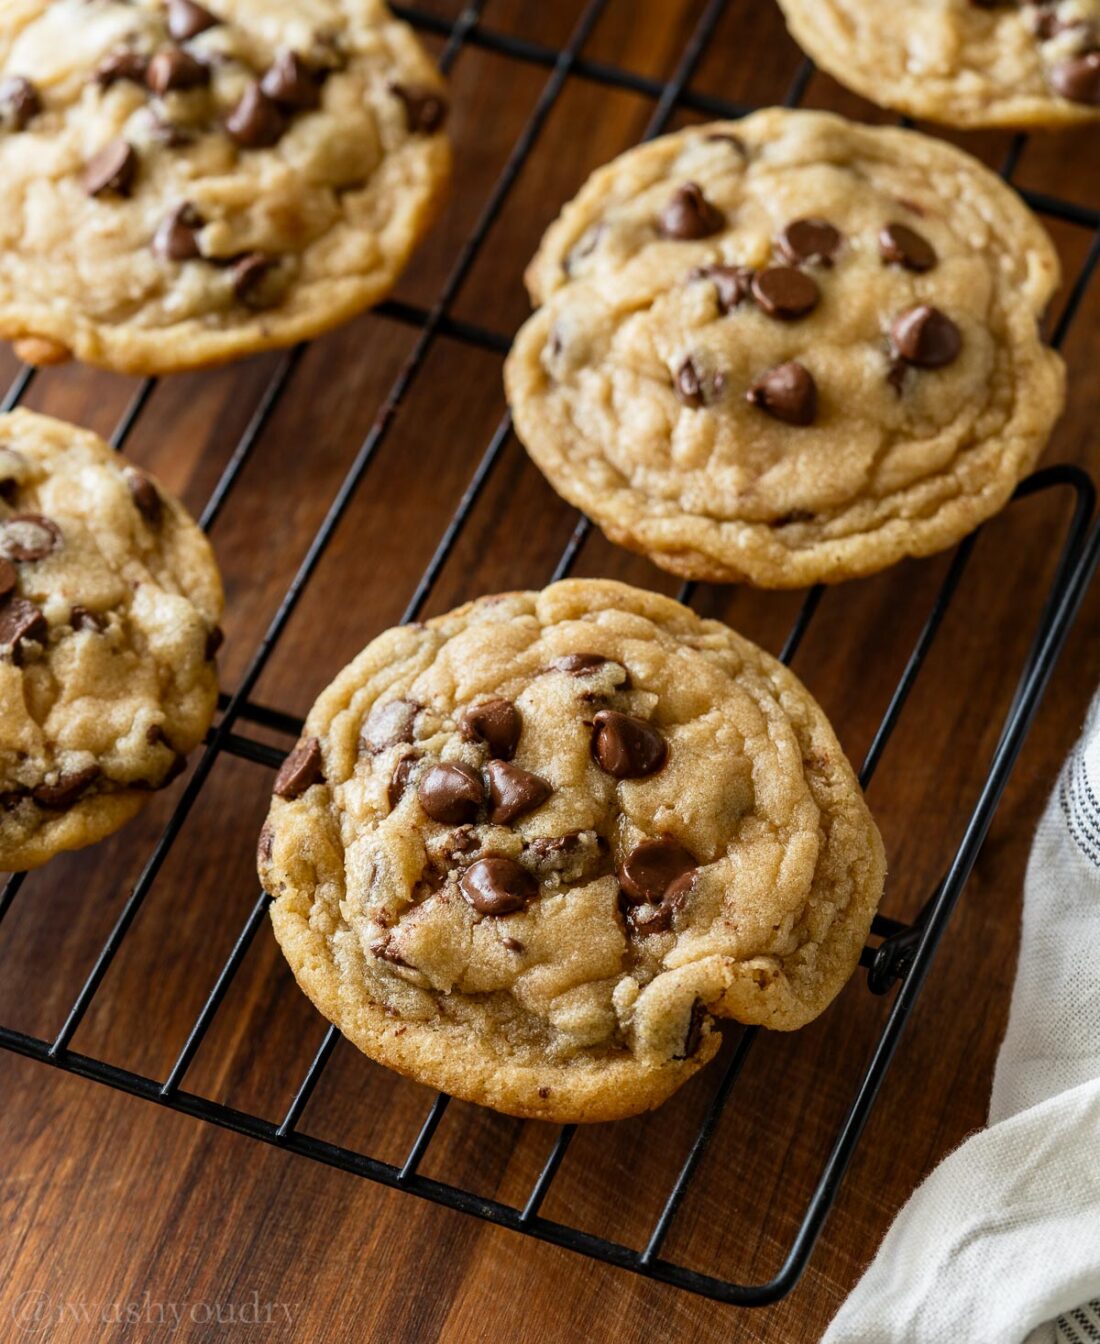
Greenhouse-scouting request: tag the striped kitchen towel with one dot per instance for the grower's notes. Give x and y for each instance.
(1001, 1244)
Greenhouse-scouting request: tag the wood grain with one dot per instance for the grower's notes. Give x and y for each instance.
(109, 1201)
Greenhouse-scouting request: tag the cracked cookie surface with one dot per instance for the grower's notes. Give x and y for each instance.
(109, 603)
(187, 184)
(1015, 63)
(788, 349)
(526, 852)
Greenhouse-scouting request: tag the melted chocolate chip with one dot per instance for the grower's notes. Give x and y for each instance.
(578, 664)
(187, 19)
(19, 102)
(21, 621)
(787, 392)
(694, 389)
(256, 122)
(290, 82)
(688, 214)
(172, 68)
(497, 886)
(145, 495)
(8, 579)
(29, 536)
(177, 235)
(302, 769)
(123, 64)
(249, 273)
(652, 866)
(66, 789)
(495, 722)
(732, 283)
(810, 240)
(626, 747)
(425, 109)
(1077, 78)
(925, 337)
(399, 779)
(264, 845)
(784, 292)
(385, 951)
(80, 618)
(902, 246)
(513, 792)
(658, 918)
(389, 724)
(215, 638)
(451, 793)
(693, 1037)
(112, 169)
(513, 944)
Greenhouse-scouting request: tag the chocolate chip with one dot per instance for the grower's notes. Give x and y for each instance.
(652, 866)
(733, 283)
(145, 495)
(112, 169)
(425, 109)
(497, 886)
(256, 122)
(167, 132)
(688, 214)
(301, 770)
(904, 246)
(693, 1037)
(626, 747)
(787, 392)
(187, 20)
(810, 240)
(386, 951)
(80, 618)
(154, 735)
(734, 141)
(290, 82)
(399, 779)
(264, 845)
(172, 68)
(20, 621)
(177, 235)
(123, 64)
(389, 724)
(66, 789)
(29, 536)
(925, 337)
(8, 579)
(513, 792)
(495, 722)
(215, 638)
(544, 1092)
(694, 389)
(1077, 78)
(784, 292)
(513, 944)
(451, 793)
(249, 273)
(577, 664)
(19, 102)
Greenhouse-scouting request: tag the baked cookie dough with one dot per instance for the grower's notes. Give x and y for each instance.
(186, 184)
(109, 604)
(525, 853)
(1019, 63)
(788, 349)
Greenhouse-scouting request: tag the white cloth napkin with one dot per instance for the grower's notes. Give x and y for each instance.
(1001, 1244)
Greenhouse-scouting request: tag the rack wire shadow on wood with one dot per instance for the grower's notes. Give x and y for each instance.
(900, 955)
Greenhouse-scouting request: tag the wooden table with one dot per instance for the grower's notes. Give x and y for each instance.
(117, 1210)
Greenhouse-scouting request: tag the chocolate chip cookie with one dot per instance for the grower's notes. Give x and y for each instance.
(788, 349)
(527, 852)
(109, 603)
(187, 183)
(1015, 63)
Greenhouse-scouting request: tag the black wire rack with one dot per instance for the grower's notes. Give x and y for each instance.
(901, 954)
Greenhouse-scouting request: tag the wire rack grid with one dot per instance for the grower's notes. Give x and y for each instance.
(900, 957)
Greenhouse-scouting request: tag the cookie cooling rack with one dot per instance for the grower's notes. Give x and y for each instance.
(897, 961)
